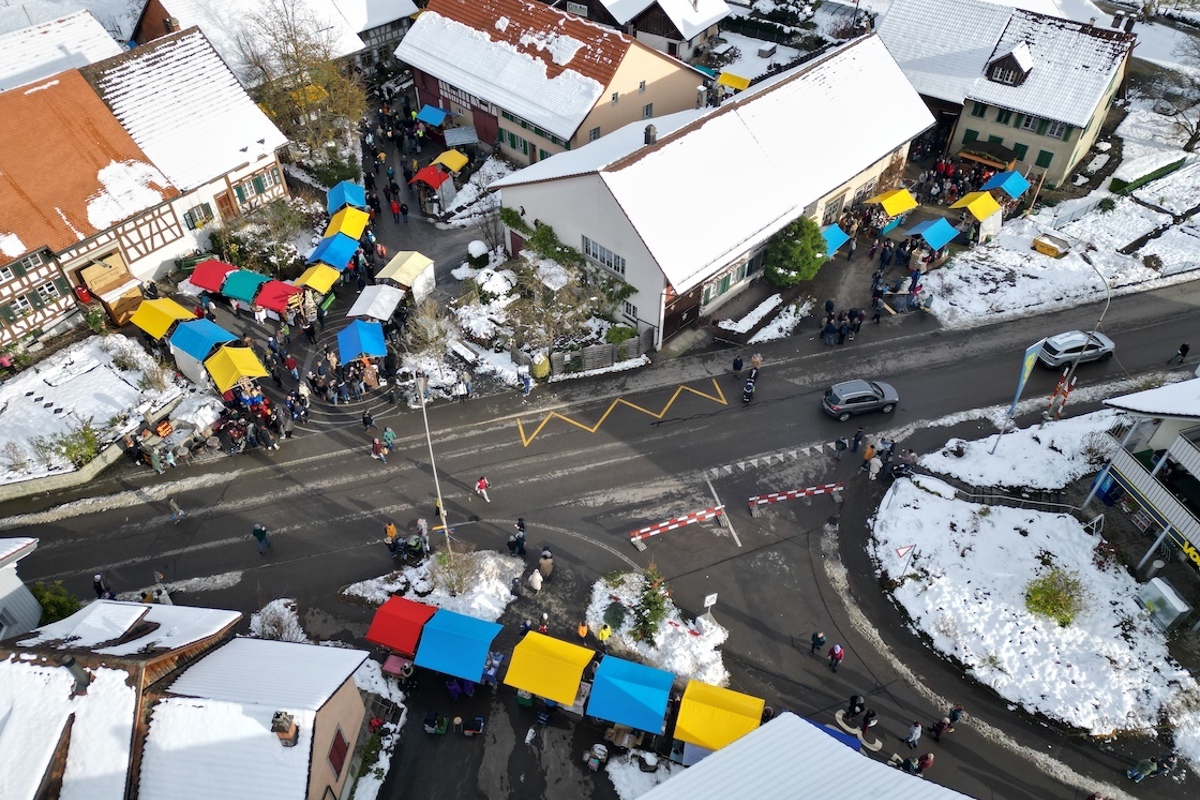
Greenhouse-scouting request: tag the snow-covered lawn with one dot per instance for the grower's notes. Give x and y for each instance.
(747, 322)
(487, 595)
(749, 64)
(785, 322)
(473, 200)
(688, 649)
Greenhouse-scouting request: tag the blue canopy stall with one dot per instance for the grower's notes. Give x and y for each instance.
(853, 742)
(336, 251)
(937, 233)
(198, 338)
(361, 338)
(456, 644)
(432, 115)
(835, 237)
(346, 193)
(630, 694)
(1012, 184)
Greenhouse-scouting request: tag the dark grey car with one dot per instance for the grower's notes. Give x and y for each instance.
(844, 400)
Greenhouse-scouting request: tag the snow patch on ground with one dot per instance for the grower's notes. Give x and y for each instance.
(746, 323)
(628, 779)
(785, 322)
(488, 594)
(278, 620)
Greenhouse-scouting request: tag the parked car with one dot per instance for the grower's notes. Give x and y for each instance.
(1063, 348)
(844, 400)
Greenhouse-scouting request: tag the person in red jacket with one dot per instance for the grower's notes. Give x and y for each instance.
(395, 211)
(836, 654)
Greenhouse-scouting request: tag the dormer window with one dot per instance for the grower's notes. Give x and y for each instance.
(1004, 74)
(1011, 66)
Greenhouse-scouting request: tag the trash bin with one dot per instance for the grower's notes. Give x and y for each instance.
(83, 294)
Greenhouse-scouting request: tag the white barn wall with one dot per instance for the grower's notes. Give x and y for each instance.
(18, 603)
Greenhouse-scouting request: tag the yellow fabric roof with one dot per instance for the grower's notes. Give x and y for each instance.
(404, 267)
(155, 317)
(350, 221)
(897, 201)
(733, 81)
(548, 667)
(712, 717)
(981, 205)
(229, 364)
(452, 159)
(319, 277)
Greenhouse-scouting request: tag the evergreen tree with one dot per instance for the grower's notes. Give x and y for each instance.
(795, 254)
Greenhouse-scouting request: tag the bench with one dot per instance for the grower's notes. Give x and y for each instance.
(463, 351)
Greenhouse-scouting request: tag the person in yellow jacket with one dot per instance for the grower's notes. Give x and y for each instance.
(603, 634)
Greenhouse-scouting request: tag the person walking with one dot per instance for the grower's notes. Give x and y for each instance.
(544, 626)
(954, 715)
(877, 308)
(404, 213)
(737, 366)
(840, 447)
(870, 720)
(858, 705)
(378, 450)
(874, 466)
(262, 537)
(512, 545)
(914, 735)
(581, 630)
(395, 210)
(389, 438)
(856, 440)
(177, 513)
(520, 537)
(1181, 353)
(836, 655)
(851, 247)
(368, 421)
(546, 563)
(940, 729)
(310, 332)
(481, 487)
(535, 581)
(818, 641)
(1142, 770)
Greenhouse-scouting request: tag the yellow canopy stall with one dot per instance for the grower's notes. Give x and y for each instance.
(156, 317)
(712, 717)
(452, 160)
(318, 277)
(733, 81)
(897, 201)
(350, 221)
(981, 205)
(548, 667)
(230, 364)
(404, 267)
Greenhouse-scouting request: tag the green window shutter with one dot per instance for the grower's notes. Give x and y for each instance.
(1003, 116)
(970, 136)
(7, 313)
(1067, 133)
(1042, 125)
(1017, 120)
(1020, 150)
(260, 185)
(35, 300)
(978, 110)
(1044, 158)
(189, 220)
(62, 286)
(18, 269)
(207, 212)
(240, 193)
(996, 139)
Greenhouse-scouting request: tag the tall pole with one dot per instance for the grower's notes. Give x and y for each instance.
(422, 382)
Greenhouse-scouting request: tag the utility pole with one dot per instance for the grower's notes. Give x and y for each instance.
(422, 384)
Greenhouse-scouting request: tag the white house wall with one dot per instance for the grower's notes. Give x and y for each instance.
(21, 609)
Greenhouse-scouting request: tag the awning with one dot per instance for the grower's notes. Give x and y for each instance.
(274, 295)
(456, 644)
(361, 338)
(243, 285)
(336, 251)
(548, 667)
(230, 364)
(430, 175)
(377, 302)
(156, 317)
(835, 237)
(210, 275)
(992, 154)
(1012, 184)
(432, 115)
(897, 201)
(457, 137)
(981, 205)
(733, 81)
(937, 233)
(452, 160)
(853, 742)
(319, 277)
(346, 193)
(630, 694)
(712, 717)
(404, 268)
(198, 338)
(397, 625)
(350, 221)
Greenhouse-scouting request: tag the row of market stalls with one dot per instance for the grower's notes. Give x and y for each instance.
(625, 693)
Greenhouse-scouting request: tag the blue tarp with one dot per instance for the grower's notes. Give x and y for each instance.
(361, 337)
(939, 234)
(853, 742)
(198, 338)
(431, 115)
(630, 694)
(456, 644)
(919, 228)
(1012, 184)
(336, 251)
(835, 237)
(345, 194)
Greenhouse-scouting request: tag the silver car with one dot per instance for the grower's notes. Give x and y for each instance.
(1063, 348)
(843, 400)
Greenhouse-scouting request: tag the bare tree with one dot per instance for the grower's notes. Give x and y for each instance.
(1182, 91)
(429, 330)
(491, 228)
(552, 303)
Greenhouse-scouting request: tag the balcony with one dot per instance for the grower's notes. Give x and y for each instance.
(1177, 504)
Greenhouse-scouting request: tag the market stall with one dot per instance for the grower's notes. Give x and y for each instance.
(359, 339)
(455, 644)
(108, 280)
(377, 302)
(452, 160)
(192, 343)
(549, 668)
(319, 277)
(397, 625)
(230, 365)
(335, 250)
(350, 221)
(1011, 183)
(895, 204)
(278, 297)
(346, 193)
(434, 189)
(630, 694)
(158, 317)
(410, 270)
(986, 212)
(210, 275)
(711, 717)
(835, 237)
(937, 233)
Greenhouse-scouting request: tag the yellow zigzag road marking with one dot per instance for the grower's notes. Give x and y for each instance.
(719, 398)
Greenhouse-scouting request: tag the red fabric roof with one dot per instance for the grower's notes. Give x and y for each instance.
(397, 625)
(274, 295)
(210, 275)
(430, 175)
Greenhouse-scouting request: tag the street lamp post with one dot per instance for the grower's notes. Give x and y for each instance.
(422, 383)
(1056, 409)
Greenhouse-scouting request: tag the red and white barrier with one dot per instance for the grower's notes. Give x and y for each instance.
(775, 497)
(678, 522)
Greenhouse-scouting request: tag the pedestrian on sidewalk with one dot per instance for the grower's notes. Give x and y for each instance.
(877, 308)
(1181, 353)
(378, 450)
(603, 635)
(875, 465)
(262, 537)
(836, 655)
(535, 581)
(858, 705)
(395, 210)
(368, 421)
(404, 213)
(737, 366)
(526, 383)
(940, 729)
(818, 641)
(840, 447)
(581, 630)
(914, 735)
(177, 513)
(856, 441)
(851, 247)
(481, 487)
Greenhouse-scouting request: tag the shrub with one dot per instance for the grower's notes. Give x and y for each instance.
(453, 574)
(57, 603)
(95, 317)
(80, 444)
(651, 608)
(614, 615)
(333, 171)
(1106, 205)
(619, 333)
(15, 457)
(1058, 594)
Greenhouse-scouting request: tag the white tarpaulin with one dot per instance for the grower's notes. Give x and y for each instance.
(377, 302)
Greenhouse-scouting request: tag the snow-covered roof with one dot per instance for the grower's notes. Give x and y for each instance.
(185, 108)
(70, 181)
(235, 673)
(1180, 400)
(229, 23)
(784, 161)
(169, 627)
(363, 15)
(36, 702)
(544, 65)
(943, 45)
(689, 18)
(36, 52)
(116, 16)
(770, 762)
(1073, 65)
(16, 548)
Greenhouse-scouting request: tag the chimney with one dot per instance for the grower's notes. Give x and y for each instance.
(171, 24)
(1116, 23)
(651, 134)
(1129, 23)
(284, 726)
(82, 678)
(1092, 22)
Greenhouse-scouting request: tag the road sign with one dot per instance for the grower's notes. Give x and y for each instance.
(710, 600)
(901, 552)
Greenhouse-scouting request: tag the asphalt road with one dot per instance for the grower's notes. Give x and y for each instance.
(583, 486)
